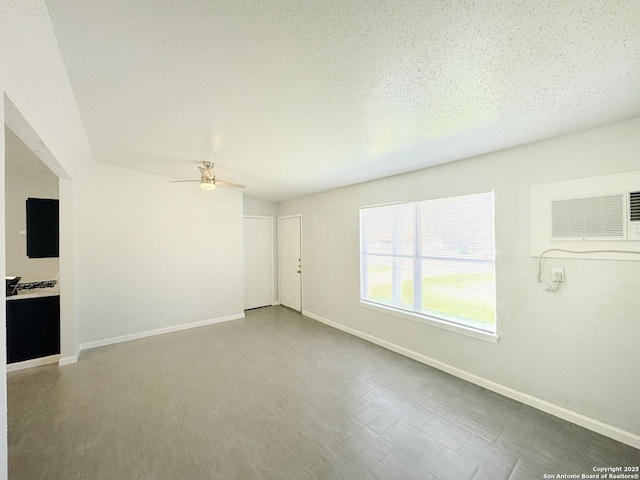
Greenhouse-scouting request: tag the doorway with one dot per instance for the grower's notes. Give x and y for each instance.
(20, 126)
(290, 262)
(31, 257)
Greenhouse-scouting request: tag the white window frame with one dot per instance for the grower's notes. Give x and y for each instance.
(440, 321)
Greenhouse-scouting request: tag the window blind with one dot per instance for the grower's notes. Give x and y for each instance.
(434, 258)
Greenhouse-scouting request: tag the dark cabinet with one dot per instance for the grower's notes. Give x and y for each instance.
(33, 328)
(42, 228)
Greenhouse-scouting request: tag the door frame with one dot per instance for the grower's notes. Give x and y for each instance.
(273, 255)
(284, 217)
(12, 117)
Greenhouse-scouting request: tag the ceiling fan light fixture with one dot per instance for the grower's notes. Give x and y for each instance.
(207, 184)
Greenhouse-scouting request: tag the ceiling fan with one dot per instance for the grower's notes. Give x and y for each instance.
(208, 179)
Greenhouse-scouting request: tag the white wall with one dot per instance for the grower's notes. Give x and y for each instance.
(17, 189)
(3, 314)
(253, 206)
(154, 254)
(577, 348)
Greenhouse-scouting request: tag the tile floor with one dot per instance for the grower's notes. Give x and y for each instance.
(279, 396)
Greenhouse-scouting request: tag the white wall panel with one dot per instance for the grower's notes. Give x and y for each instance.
(155, 254)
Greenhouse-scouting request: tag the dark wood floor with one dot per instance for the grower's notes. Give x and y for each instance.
(279, 396)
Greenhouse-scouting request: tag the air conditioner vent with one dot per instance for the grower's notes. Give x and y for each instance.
(634, 206)
(594, 218)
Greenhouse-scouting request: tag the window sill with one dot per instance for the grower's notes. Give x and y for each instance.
(433, 322)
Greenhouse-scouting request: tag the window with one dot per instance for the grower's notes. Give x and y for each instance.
(433, 259)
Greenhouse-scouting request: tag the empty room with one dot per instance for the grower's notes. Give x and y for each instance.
(320, 240)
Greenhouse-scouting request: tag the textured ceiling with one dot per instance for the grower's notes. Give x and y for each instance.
(292, 97)
(20, 160)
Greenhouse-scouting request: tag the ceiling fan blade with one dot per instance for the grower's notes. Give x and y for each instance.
(205, 173)
(182, 181)
(222, 183)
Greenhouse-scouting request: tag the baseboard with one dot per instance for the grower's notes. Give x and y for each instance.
(535, 402)
(159, 331)
(62, 361)
(274, 303)
(69, 360)
(36, 362)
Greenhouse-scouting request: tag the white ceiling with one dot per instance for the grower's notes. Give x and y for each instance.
(20, 160)
(293, 97)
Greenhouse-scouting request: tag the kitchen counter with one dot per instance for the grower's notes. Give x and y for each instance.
(35, 293)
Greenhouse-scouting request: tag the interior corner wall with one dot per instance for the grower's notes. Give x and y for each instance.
(154, 254)
(576, 348)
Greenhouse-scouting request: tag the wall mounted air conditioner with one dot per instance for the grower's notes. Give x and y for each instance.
(634, 215)
(610, 217)
(592, 213)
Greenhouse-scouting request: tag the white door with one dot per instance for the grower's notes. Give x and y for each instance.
(289, 262)
(258, 262)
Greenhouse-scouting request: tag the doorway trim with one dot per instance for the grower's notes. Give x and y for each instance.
(284, 217)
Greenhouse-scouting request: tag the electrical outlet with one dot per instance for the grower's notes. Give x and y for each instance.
(557, 274)
(163, 314)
